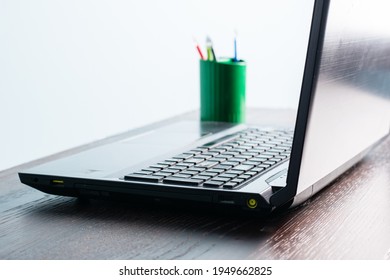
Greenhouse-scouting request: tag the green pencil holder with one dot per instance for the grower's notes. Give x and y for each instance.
(222, 90)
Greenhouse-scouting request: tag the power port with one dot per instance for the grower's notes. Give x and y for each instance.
(251, 203)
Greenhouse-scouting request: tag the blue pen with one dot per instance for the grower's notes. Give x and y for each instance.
(235, 59)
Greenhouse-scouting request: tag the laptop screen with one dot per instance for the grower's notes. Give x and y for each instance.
(350, 105)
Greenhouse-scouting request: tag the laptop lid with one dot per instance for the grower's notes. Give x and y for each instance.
(344, 106)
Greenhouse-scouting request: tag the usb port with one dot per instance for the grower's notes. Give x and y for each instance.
(57, 182)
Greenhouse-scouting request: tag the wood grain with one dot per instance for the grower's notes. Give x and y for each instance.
(348, 220)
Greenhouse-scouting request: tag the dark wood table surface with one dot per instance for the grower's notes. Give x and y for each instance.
(350, 219)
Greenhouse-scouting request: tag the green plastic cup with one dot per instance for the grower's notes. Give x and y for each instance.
(222, 90)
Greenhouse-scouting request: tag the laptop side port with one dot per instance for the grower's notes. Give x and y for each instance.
(251, 203)
(226, 199)
(57, 182)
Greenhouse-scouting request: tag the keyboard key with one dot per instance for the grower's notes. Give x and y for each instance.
(160, 165)
(238, 150)
(201, 148)
(207, 173)
(222, 167)
(232, 171)
(213, 184)
(182, 181)
(195, 151)
(207, 164)
(250, 154)
(239, 160)
(217, 160)
(240, 141)
(204, 157)
(238, 181)
(170, 170)
(187, 172)
(229, 185)
(184, 156)
(265, 166)
(222, 179)
(213, 170)
(149, 169)
(222, 157)
(246, 147)
(270, 154)
(257, 169)
(269, 145)
(278, 149)
(243, 176)
(198, 177)
(162, 174)
(269, 162)
(276, 159)
(284, 146)
(228, 175)
(231, 163)
(225, 146)
(184, 164)
(211, 154)
(198, 169)
(259, 150)
(218, 150)
(143, 178)
(143, 172)
(253, 143)
(275, 152)
(193, 160)
(251, 162)
(231, 154)
(230, 146)
(243, 167)
(263, 157)
(244, 157)
(172, 160)
(181, 175)
(282, 157)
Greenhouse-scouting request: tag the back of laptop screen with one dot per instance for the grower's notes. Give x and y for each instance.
(350, 108)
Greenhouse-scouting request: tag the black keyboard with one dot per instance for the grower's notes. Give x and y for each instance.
(227, 163)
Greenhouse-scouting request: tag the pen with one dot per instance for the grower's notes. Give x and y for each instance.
(235, 50)
(198, 49)
(210, 49)
(235, 59)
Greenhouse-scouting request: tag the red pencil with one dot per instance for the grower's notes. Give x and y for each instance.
(200, 52)
(198, 48)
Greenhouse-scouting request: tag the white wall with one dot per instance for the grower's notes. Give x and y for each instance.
(75, 71)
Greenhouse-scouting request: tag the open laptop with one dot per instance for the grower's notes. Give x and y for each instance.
(344, 110)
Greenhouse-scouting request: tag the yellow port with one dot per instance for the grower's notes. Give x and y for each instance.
(57, 182)
(252, 203)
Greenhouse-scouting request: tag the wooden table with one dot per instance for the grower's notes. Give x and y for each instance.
(348, 220)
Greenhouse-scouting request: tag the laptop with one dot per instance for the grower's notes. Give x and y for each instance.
(343, 112)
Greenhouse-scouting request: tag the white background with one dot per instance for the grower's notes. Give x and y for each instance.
(75, 71)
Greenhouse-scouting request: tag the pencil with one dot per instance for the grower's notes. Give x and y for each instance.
(198, 49)
(200, 52)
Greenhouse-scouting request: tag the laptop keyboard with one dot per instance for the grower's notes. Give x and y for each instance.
(228, 162)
